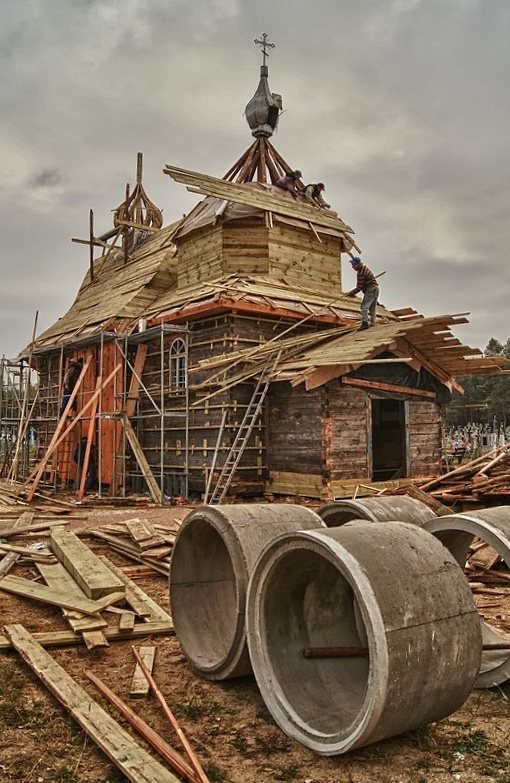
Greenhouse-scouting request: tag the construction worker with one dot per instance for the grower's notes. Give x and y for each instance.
(313, 194)
(366, 283)
(71, 376)
(79, 458)
(289, 182)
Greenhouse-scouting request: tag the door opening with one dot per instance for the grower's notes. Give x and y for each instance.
(389, 452)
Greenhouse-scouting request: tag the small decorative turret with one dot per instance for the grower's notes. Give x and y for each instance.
(263, 110)
(138, 208)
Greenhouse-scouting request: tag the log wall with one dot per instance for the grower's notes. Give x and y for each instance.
(425, 436)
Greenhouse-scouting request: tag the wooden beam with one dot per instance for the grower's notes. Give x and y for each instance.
(29, 589)
(166, 751)
(390, 387)
(139, 683)
(141, 459)
(133, 761)
(59, 436)
(87, 569)
(68, 638)
(141, 603)
(255, 197)
(85, 458)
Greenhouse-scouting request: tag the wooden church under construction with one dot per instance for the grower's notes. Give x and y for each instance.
(222, 359)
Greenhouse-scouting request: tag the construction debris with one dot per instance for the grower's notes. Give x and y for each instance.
(484, 480)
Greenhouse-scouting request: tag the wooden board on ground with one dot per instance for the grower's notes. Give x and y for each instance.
(133, 761)
(142, 604)
(11, 558)
(93, 576)
(68, 638)
(140, 685)
(485, 557)
(58, 578)
(46, 595)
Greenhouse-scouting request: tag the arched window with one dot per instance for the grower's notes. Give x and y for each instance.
(178, 364)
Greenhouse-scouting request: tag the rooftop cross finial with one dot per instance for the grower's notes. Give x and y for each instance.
(264, 45)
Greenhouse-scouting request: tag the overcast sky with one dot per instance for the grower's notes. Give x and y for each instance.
(400, 106)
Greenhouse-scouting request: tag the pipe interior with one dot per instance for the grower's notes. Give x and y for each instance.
(309, 603)
(203, 593)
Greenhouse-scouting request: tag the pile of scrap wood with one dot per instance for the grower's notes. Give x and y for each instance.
(141, 541)
(482, 480)
(85, 587)
(485, 565)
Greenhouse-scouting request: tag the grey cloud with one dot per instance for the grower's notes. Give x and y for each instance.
(400, 107)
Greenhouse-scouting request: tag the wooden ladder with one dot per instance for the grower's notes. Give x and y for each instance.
(243, 434)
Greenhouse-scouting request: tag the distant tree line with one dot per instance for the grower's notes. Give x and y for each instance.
(486, 398)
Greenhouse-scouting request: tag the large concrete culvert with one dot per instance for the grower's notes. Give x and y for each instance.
(457, 532)
(393, 508)
(389, 587)
(212, 560)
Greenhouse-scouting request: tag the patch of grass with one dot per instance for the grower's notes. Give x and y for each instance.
(422, 738)
(215, 774)
(196, 708)
(272, 744)
(15, 707)
(477, 742)
(240, 743)
(287, 773)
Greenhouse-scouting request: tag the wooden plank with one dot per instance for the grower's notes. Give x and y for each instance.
(131, 552)
(60, 433)
(88, 571)
(139, 683)
(258, 198)
(30, 554)
(11, 558)
(28, 589)
(58, 578)
(166, 751)
(55, 443)
(141, 459)
(10, 532)
(70, 639)
(388, 387)
(138, 530)
(127, 621)
(94, 639)
(142, 604)
(133, 761)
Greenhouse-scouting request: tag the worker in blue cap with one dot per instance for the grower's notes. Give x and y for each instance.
(367, 283)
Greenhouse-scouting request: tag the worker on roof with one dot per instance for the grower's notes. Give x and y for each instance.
(313, 194)
(290, 182)
(367, 283)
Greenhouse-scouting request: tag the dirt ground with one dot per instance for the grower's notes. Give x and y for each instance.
(227, 723)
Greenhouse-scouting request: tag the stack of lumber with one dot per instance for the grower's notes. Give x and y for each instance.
(483, 480)
(9, 492)
(484, 565)
(84, 586)
(141, 541)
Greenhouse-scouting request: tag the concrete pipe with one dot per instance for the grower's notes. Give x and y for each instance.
(394, 508)
(456, 532)
(387, 596)
(213, 556)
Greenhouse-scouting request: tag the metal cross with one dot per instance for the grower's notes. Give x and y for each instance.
(264, 45)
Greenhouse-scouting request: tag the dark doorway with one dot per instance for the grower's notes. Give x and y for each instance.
(389, 453)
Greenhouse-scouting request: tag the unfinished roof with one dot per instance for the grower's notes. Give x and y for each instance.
(318, 357)
(258, 294)
(119, 292)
